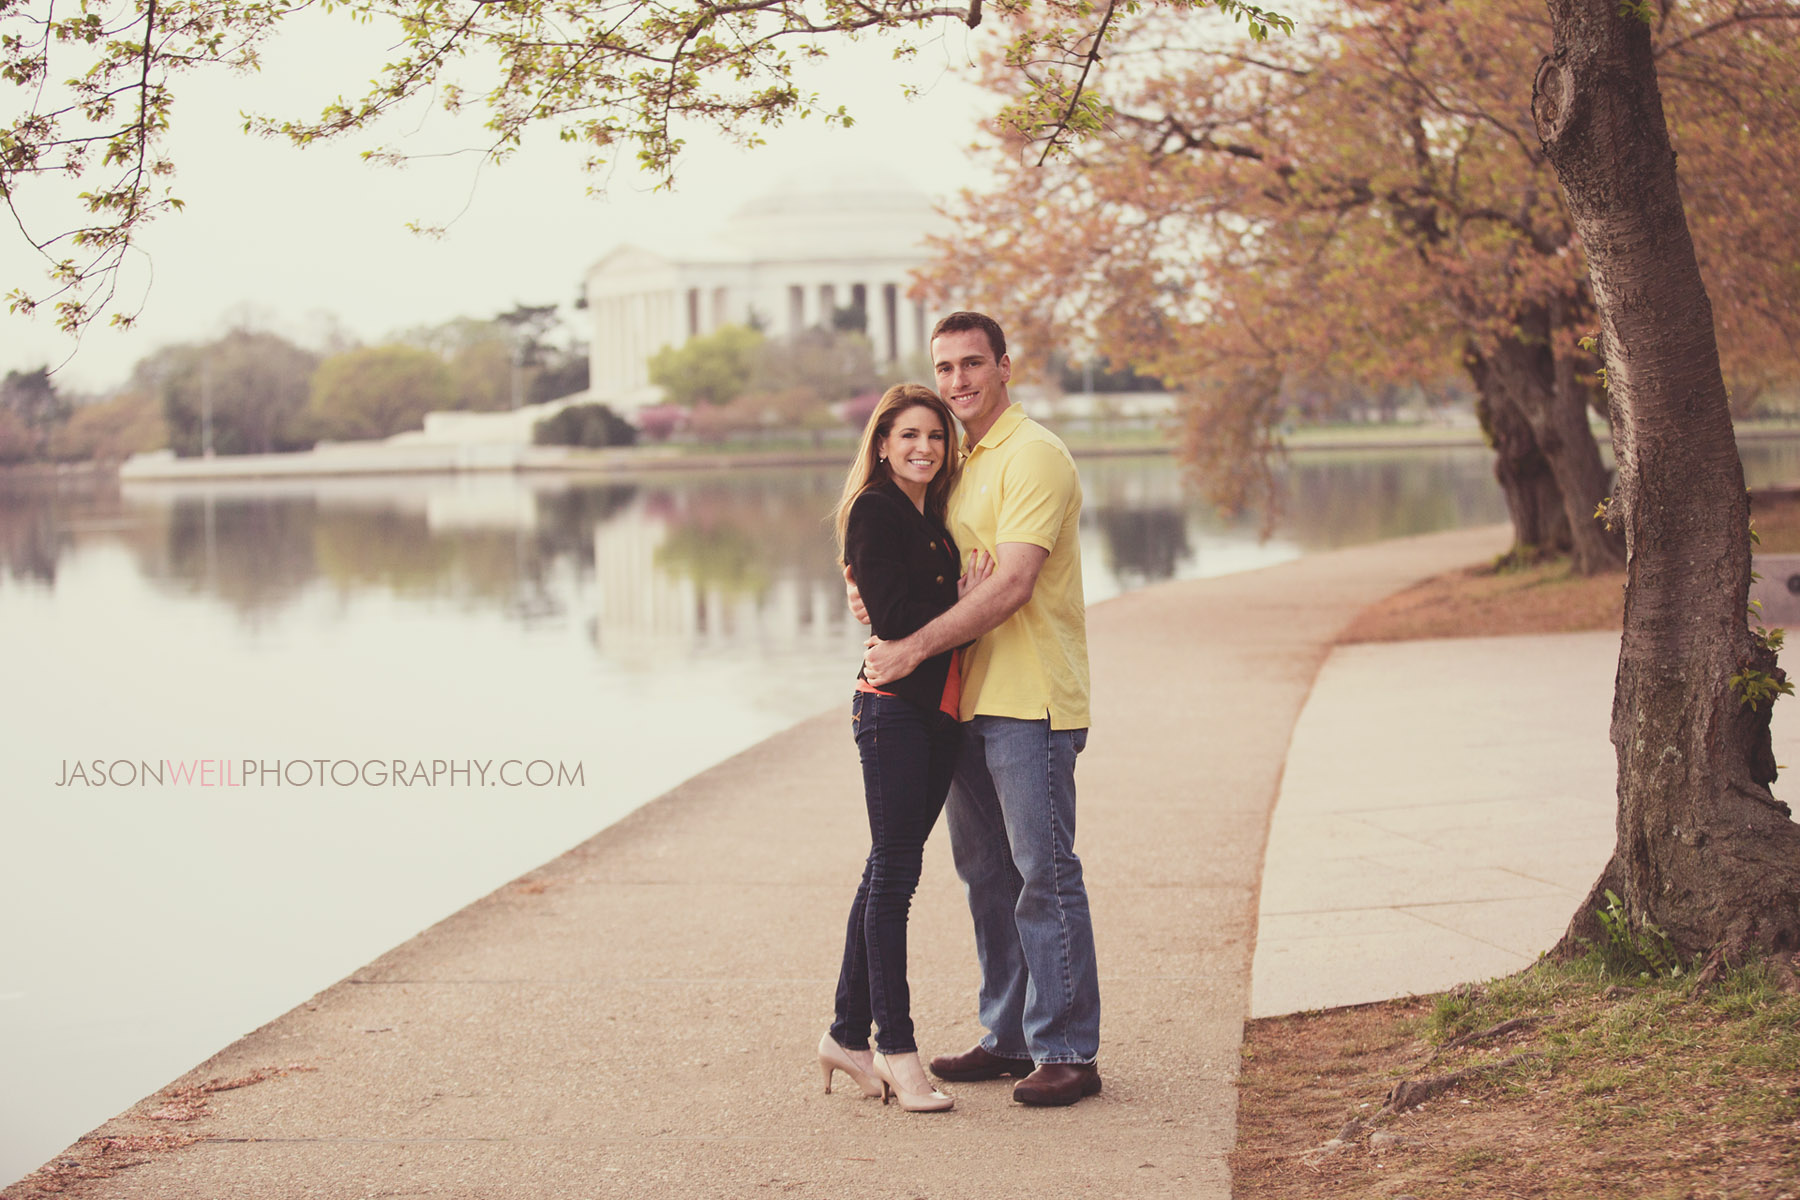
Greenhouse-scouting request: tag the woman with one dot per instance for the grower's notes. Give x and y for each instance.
(890, 531)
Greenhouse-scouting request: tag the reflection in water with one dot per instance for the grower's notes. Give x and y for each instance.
(715, 542)
(37, 520)
(29, 542)
(715, 555)
(644, 628)
(566, 520)
(252, 553)
(401, 553)
(707, 565)
(1144, 545)
(1345, 498)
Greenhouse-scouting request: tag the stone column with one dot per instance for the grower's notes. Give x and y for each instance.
(884, 321)
(794, 297)
(639, 305)
(906, 328)
(615, 340)
(596, 344)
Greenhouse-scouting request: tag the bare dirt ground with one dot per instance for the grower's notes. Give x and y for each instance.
(1484, 602)
(1545, 597)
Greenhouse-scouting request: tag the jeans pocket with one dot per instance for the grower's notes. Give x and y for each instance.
(865, 714)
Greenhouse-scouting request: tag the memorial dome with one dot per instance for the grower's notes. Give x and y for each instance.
(840, 210)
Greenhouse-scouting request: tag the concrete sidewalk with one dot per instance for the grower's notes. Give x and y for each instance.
(637, 1017)
(1447, 805)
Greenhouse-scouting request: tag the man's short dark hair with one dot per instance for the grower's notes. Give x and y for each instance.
(962, 322)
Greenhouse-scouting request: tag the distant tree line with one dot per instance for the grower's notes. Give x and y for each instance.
(1098, 376)
(256, 392)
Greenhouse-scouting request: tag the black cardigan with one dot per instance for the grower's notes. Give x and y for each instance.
(906, 566)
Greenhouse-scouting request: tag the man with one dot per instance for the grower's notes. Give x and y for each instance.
(1011, 809)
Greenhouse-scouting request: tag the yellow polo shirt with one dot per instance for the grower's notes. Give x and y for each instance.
(1019, 485)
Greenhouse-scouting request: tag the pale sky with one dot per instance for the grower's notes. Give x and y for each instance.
(291, 239)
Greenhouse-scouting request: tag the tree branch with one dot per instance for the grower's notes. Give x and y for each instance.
(143, 127)
(1093, 56)
(1743, 16)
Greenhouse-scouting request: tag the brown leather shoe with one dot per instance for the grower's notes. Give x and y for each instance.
(1056, 1084)
(978, 1064)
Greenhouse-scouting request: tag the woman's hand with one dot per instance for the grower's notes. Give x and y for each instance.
(981, 565)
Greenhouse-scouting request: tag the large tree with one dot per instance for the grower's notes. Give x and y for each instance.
(241, 394)
(1366, 200)
(31, 411)
(377, 391)
(1704, 851)
(713, 369)
(112, 430)
(499, 362)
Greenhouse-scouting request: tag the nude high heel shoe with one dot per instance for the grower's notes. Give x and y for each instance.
(911, 1098)
(833, 1057)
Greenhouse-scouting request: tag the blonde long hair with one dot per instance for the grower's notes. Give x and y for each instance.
(867, 470)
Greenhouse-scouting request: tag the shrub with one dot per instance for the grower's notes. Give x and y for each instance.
(585, 425)
(660, 422)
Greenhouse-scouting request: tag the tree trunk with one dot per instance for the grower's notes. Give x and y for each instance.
(1703, 849)
(1539, 516)
(1526, 373)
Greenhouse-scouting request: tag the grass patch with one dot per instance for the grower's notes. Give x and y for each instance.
(1597, 1088)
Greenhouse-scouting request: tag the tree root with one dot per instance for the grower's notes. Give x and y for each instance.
(1410, 1093)
(1712, 971)
(1483, 1035)
(1781, 966)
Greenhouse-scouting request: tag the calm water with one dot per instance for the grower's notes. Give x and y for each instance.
(637, 631)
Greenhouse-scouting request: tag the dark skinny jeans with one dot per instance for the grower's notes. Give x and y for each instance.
(908, 756)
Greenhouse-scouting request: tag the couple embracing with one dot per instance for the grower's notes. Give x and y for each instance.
(973, 702)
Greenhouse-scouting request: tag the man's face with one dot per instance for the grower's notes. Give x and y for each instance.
(968, 378)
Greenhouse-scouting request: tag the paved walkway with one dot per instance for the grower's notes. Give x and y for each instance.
(637, 1017)
(1446, 806)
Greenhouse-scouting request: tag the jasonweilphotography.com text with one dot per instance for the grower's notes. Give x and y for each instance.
(319, 772)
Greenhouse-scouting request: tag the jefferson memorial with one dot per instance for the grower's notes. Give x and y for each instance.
(841, 236)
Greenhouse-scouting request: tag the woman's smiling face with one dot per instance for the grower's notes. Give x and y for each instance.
(915, 447)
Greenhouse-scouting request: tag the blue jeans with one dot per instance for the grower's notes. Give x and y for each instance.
(907, 755)
(1011, 814)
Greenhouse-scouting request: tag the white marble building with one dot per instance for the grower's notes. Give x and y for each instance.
(838, 237)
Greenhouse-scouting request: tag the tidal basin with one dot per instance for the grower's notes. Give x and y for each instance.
(635, 630)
